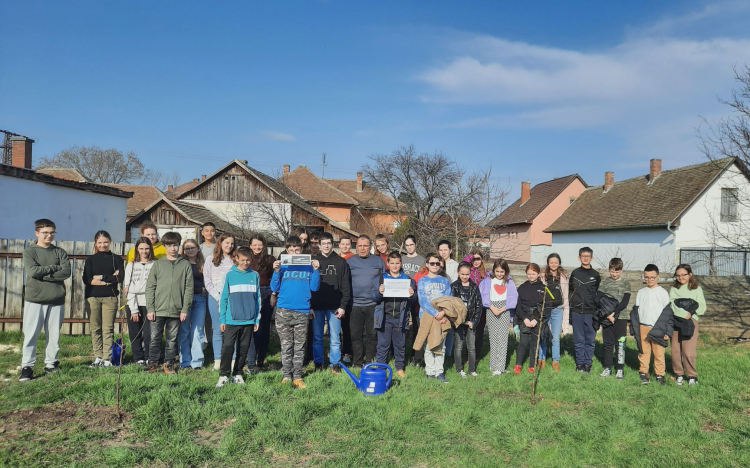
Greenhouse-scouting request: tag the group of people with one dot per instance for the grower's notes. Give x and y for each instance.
(171, 287)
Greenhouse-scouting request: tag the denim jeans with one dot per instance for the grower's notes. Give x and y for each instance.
(555, 325)
(170, 326)
(213, 309)
(334, 329)
(191, 334)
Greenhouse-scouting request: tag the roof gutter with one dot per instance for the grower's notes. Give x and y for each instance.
(608, 228)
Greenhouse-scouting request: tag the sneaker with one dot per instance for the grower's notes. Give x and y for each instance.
(606, 372)
(141, 363)
(217, 364)
(299, 383)
(660, 379)
(531, 369)
(462, 374)
(347, 359)
(679, 380)
(97, 363)
(106, 363)
(473, 374)
(516, 369)
(644, 378)
(256, 370)
(619, 374)
(50, 368)
(238, 380)
(586, 368)
(222, 381)
(579, 368)
(168, 368)
(318, 367)
(153, 367)
(336, 369)
(693, 381)
(27, 373)
(401, 373)
(496, 373)
(441, 377)
(430, 376)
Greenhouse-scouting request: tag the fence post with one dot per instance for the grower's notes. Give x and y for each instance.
(744, 263)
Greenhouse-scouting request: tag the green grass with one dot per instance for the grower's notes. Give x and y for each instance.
(182, 420)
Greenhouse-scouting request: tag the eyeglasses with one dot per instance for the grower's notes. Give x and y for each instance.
(433, 263)
(47, 233)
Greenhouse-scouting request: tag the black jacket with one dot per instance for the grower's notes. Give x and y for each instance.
(530, 297)
(335, 283)
(105, 264)
(664, 326)
(584, 284)
(474, 307)
(606, 306)
(685, 326)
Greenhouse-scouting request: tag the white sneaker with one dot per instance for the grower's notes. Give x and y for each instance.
(606, 372)
(497, 372)
(680, 379)
(462, 374)
(106, 363)
(238, 380)
(217, 364)
(693, 381)
(97, 362)
(222, 381)
(474, 374)
(347, 359)
(619, 374)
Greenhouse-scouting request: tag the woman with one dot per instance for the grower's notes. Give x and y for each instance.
(262, 263)
(499, 296)
(192, 332)
(475, 258)
(134, 286)
(687, 315)
(214, 272)
(102, 274)
(556, 280)
(148, 230)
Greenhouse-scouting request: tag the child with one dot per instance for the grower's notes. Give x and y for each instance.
(616, 332)
(191, 335)
(47, 267)
(134, 287)
(148, 230)
(468, 291)
(392, 316)
(529, 313)
(102, 272)
(262, 263)
(239, 315)
(499, 297)
(431, 286)
(683, 346)
(214, 271)
(169, 294)
(556, 309)
(650, 304)
(293, 284)
(584, 283)
(208, 232)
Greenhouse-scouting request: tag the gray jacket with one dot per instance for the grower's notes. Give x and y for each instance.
(46, 272)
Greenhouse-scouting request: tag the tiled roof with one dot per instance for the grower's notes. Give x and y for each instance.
(540, 196)
(35, 176)
(182, 188)
(200, 215)
(64, 173)
(143, 196)
(314, 189)
(369, 197)
(637, 202)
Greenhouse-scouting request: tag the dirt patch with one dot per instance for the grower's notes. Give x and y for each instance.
(213, 437)
(709, 426)
(10, 348)
(63, 420)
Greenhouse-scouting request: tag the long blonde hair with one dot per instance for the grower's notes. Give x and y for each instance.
(199, 259)
(218, 253)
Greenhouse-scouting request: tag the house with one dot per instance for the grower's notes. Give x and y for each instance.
(518, 233)
(655, 218)
(175, 192)
(78, 208)
(64, 173)
(143, 196)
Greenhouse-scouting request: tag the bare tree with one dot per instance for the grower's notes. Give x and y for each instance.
(436, 198)
(160, 179)
(107, 166)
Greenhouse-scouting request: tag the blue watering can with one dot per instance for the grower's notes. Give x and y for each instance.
(116, 354)
(374, 378)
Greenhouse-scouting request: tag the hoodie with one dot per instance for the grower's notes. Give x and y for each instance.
(46, 272)
(240, 298)
(293, 283)
(169, 289)
(335, 283)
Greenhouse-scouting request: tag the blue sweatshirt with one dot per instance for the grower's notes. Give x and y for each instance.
(365, 273)
(293, 283)
(240, 298)
(429, 289)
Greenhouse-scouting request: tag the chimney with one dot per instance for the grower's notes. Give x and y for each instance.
(609, 180)
(285, 170)
(196, 180)
(203, 176)
(359, 181)
(170, 188)
(21, 151)
(654, 169)
(525, 191)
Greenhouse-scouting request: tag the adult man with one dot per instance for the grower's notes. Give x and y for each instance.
(366, 269)
(329, 302)
(451, 266)
(412, 261)
(208, 232)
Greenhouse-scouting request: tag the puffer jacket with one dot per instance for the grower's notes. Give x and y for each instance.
(663, 326)
(606, 306)
(475, 307)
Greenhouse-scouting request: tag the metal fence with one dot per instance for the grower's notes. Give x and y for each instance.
(716, 261)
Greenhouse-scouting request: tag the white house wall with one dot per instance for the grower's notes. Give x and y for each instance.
(636, 247)
(78, 214)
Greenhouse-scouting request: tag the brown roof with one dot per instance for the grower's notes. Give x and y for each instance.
(369, 197)
(176, 192)
(28, 174)
(143, 196)
(314, 189)
(64, 173)
(540, 196)
(638, 202)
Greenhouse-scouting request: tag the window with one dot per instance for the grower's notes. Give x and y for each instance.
(729, 204)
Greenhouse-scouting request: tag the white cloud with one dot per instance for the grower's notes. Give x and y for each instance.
(279, 136)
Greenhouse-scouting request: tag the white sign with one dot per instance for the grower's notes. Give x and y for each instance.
(396, 287)
(297, 259)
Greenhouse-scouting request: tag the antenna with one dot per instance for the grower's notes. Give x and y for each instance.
(323, 165)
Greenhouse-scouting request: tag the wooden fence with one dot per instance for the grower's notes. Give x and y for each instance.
(13, 279)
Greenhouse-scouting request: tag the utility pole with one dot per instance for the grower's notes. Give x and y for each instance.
(323, 165)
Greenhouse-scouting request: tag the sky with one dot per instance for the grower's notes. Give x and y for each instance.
(532, 90)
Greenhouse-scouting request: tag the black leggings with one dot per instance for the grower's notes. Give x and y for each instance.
(611, 336)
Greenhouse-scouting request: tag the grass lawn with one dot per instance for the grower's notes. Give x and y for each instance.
(68, 418)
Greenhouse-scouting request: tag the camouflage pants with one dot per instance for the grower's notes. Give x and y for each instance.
(291, 327)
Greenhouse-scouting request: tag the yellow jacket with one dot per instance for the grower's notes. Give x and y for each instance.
(159, 252)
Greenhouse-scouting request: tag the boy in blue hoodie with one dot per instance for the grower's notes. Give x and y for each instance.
(293, 285)
(239, 315)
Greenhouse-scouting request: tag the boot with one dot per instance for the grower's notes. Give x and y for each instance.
(556, 366)
(298, 383)
(152, 367)
(168, 369)
(540, 363)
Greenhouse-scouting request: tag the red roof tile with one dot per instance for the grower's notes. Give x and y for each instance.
(314, 189)
(540, 196)
(143, 196)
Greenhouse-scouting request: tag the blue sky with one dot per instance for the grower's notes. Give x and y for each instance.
(536, 91)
